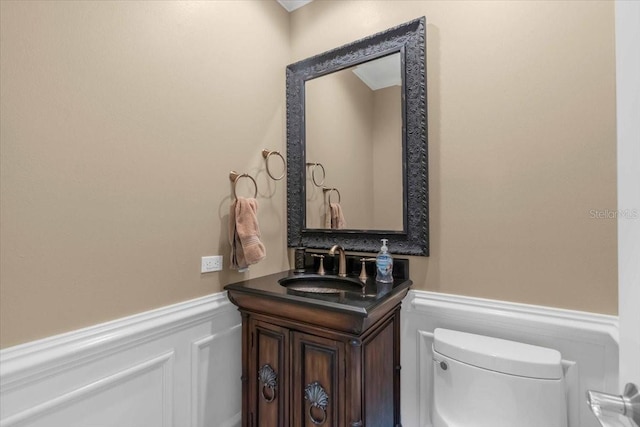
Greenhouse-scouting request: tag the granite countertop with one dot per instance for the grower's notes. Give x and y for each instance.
(354, 301)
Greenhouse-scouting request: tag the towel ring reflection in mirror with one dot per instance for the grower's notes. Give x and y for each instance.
(313, 174)
(268, 153)
(325, 189)
(235, 176)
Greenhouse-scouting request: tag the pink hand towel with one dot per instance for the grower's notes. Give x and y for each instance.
(238, 261)
(327, 216)
(337, 217)
(246, 247)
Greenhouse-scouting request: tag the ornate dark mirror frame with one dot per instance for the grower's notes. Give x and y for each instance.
(409, 40)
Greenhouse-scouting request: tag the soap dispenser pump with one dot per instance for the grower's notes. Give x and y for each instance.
(384, 264)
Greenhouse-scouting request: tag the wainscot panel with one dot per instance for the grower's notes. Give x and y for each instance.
(588, 343)
(177, 366)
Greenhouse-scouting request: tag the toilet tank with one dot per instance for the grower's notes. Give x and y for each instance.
(481, 381)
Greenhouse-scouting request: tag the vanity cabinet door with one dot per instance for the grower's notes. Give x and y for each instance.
(268, 375)
(318, 385)
(381, 375)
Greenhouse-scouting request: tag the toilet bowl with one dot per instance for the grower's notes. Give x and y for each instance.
(480, 381)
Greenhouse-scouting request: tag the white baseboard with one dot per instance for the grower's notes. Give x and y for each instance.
(177, 366)
(588, 343)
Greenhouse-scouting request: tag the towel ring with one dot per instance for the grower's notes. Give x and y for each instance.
(235, 176)
(268, 153)
(313, 174)
(325, 189)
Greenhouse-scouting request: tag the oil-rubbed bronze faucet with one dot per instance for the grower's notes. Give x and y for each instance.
(342, 261)
(321, 268)
(363, 271)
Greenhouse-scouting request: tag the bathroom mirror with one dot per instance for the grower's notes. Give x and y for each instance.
(356, 135)
(356, 112)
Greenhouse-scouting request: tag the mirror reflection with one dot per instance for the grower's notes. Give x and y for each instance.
(353, 146)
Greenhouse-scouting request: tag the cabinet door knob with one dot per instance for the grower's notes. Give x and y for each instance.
(318, 398)
(269, 380)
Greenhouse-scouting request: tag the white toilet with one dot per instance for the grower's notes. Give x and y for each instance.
(480, 381)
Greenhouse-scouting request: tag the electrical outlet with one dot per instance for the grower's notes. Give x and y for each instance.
(211, 263)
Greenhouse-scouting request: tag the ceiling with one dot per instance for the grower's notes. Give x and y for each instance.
(292, 5)
(380, 73)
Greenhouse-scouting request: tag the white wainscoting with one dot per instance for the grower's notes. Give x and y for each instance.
(588, 343)
(178, 366)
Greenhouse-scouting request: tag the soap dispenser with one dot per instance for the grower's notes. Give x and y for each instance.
(384, 264)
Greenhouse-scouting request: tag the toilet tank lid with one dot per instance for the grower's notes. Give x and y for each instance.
(499, 355)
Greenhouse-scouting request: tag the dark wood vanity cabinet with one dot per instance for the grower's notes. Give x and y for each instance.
(298, 374)
(317, 380)
(329, 361)
(268, 370)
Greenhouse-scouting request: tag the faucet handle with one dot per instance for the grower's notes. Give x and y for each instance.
(363, 271)
(321, 268)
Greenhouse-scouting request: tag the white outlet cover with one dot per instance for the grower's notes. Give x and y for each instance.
(211, 263)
